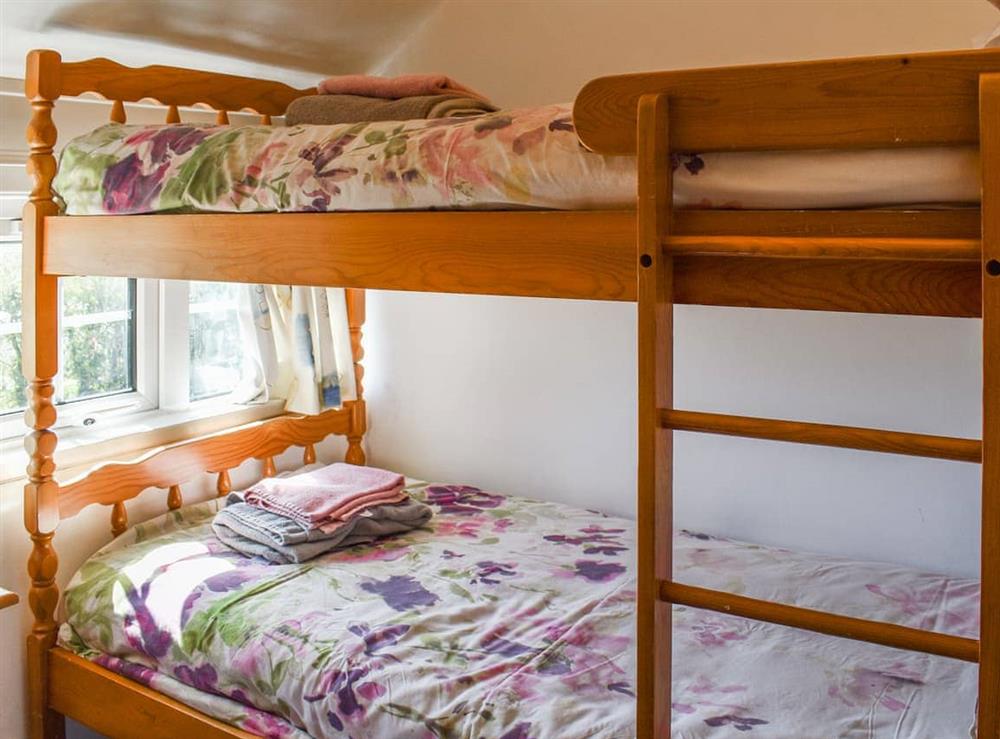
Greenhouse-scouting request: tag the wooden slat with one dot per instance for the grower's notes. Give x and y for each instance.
(654, 503)
(176, 86)
(819, 247)
(913, 100)
(955, 223)
(116, 706)
(906, 288)
(548, 254)
(847, 437)
(115, 482)
(989, 635)
(875, 632)
(540, 254)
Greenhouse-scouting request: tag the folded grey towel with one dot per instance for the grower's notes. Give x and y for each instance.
(327, 110)
(279, 539)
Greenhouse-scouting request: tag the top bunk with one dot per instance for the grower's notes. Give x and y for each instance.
(557, 221)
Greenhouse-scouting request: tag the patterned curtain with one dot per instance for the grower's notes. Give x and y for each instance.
(297, 347)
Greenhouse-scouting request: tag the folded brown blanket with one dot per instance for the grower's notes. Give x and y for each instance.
(326, 110)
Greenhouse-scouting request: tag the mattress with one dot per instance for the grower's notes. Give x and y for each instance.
(528, 158)
(508, 618)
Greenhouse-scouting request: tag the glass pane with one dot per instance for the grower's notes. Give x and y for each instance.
(214, 338)
(11, 382)
(98, 336)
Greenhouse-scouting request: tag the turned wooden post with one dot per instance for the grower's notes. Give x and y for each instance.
(359, 417)
(39, 356)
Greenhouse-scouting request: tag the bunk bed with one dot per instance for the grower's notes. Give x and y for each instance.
(918, 261)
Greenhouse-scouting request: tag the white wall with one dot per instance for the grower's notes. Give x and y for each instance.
(537, 397)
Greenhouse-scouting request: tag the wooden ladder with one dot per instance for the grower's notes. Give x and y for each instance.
(658, 419)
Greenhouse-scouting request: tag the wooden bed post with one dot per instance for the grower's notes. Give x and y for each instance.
(359, 415)
(40, 352)
(654, 514)
(989, 637)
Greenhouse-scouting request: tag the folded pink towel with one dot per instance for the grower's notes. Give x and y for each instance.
(404, 86)
(323, 496)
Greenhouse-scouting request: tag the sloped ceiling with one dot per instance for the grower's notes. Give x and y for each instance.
(308, 39)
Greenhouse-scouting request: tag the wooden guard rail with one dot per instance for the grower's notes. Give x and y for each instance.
(900, 249)
(847, 437)
(890, 635)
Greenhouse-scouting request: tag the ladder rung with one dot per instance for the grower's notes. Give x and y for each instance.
(890, 635)
(849, 437)
(938, 249)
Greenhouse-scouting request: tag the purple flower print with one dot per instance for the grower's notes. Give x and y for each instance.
(487, 572)
(594, 540)
(521, 731)
(226, 581)
(176, 139)
(203, 678)
(152, 640)
(265, 724)
(346, 685)
(713, 632)
(131, 670)
(376, 639)
(740, 723)
(448, 554)
(562, 124)
(462, 500)
(623, 688)
(401, 592)
(867, 685)
(505, 647)
(321, 155)
(598, 571)
(128, 189)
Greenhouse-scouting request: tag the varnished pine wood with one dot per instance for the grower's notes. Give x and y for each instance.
(118, 707)
(816, 247)
(39, 353)
(541, 254)
(115, 482)
(890, 635)
(919, 288)
(911, 100)
(309, 454)
(222, 118)
(654, 504)
(358, 410)
(848, 437)
(551, 254)
(173, 114)
(174, 498)
(177, 86)
(223, 485)
(268, 469)
(949, 223)
(989, 635)
(118, 112)
(119, 518)
(8, 599)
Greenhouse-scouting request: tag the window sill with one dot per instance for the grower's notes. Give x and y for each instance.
(136, 431)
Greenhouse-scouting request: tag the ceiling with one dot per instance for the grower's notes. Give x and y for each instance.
(304, 39)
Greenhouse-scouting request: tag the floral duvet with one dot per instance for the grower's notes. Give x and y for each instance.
(528, 158)
(507, 618)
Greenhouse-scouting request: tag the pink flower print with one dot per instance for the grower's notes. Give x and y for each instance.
(715, 632)
(882, 687)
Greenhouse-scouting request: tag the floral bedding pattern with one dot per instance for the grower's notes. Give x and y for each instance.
(527, 158)
(508, 618)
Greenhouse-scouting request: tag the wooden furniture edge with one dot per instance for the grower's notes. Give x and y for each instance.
(918, 99)
(172, 465)
(8, 598)
(119, 707)
(577, 255)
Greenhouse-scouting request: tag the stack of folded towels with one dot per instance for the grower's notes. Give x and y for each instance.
(359, 98)
(296, 518)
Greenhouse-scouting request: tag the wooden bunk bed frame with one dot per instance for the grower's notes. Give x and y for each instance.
(919, 262)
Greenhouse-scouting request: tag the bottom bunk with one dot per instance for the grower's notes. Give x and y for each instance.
(504, 617)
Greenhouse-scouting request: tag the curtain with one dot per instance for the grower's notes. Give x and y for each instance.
(297, 347)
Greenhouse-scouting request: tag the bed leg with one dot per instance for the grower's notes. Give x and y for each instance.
(654, 502)
(989, 636)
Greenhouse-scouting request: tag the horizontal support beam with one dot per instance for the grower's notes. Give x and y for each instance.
(554, 254)
(821, 434)
(875, 632)
(826, 247)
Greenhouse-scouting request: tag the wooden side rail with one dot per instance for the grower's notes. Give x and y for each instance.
(875, 632)
(813, 247)
(847, 437)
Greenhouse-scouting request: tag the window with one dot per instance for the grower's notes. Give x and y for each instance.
(125, 344)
